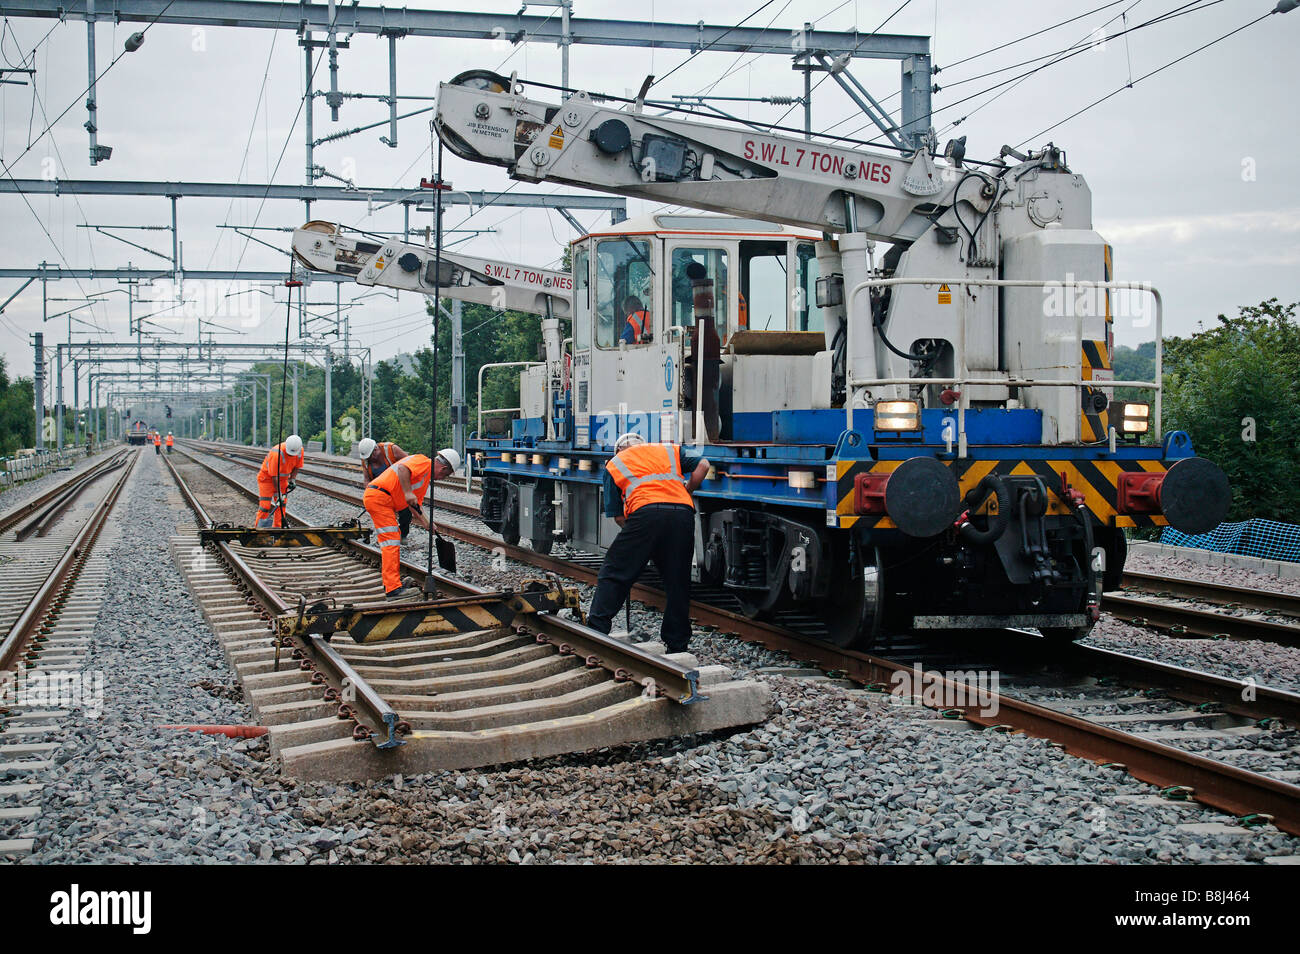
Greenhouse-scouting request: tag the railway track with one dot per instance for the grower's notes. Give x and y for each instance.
(488, 688)
(1152, 611)
(1163, 720)
(1245, 597)
(1146, 602)
(55, 571)
(331, 468)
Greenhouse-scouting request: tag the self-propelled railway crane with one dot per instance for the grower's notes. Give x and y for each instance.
(928, 439)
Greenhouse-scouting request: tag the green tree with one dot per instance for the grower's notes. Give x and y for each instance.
(1233, 388)
(1135, 364)
(17, 422)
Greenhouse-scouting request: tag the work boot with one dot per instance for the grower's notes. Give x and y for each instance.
(405, 592)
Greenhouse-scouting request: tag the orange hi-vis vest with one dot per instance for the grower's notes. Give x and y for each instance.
(420, 467)
(279, 459)
(640, 322)
(169, 440)
(649, 474)
(157, 439)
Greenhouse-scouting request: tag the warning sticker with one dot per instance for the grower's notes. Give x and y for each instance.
(945, 295)
(557, 138)
(379, 264)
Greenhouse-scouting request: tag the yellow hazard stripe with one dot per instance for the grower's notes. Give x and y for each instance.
(1096, 480)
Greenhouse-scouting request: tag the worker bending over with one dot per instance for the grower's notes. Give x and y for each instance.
(170, 441)
(402, 487)
(275, 479)
(647, 494)
(377, 457)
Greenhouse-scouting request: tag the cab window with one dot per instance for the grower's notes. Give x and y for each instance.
(581, 301)
(763, 298)
(714, 263)
(808, 317)
(624, 283)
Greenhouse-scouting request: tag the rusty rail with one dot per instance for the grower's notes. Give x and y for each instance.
(24, 628)
(1188, 621)
(18, 514)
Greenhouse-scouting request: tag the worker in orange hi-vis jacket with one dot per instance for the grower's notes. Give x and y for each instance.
(403, 487)
(377, 457)
(275, 479)
(170, 441)
(157, 443)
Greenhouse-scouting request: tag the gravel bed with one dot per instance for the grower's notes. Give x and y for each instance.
(1268, 664)
(1175, 567)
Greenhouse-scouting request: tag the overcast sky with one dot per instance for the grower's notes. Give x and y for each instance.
(1193, 172)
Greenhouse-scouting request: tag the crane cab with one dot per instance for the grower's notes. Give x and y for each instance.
(668, 307)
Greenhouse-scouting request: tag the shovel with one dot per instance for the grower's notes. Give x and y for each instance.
(445, 548)
(446, 552)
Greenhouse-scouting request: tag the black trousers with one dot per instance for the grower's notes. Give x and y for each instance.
(664, 533)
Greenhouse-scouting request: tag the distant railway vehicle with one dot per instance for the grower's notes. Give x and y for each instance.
(139, 433)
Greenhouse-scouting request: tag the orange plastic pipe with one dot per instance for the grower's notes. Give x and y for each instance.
(232, 731)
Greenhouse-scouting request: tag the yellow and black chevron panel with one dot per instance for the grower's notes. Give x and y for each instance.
(444, 617)
(1095, 425)
(1097, 480)
(408, 622)
(283, 536)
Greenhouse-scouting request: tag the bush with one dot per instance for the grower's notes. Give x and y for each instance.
(1233, 388)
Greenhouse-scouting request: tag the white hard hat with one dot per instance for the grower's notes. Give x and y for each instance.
(628, 440)
(451, 457)
(293, 444)
(365, 448)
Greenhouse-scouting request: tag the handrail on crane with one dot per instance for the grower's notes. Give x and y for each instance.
(497, 410)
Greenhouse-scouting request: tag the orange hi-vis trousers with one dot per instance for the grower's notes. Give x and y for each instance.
(379, 504)
(266, 508)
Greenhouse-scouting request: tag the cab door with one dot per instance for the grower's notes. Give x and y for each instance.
(702, 261)
(631, 376)
(580, 373)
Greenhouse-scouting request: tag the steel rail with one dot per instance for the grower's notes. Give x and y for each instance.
(1238, 696)
(18, 514)
(625, 660)
(1262, 600)
(40, 523)
(1190, 621)
(344, 675)
(25, 626)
